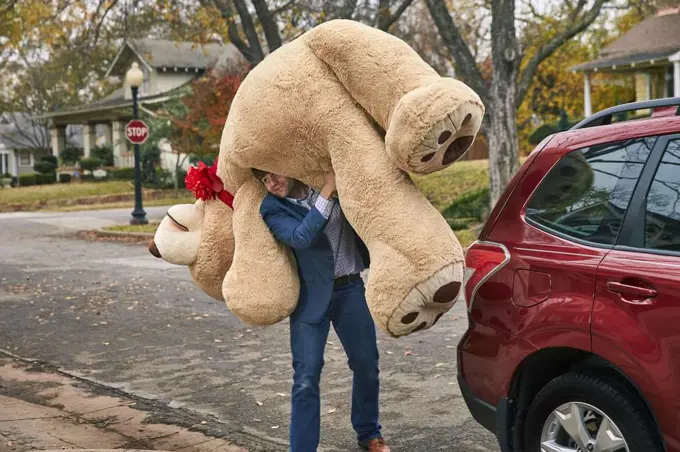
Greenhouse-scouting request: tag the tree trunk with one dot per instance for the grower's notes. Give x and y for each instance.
(503, 144)
(502, 135)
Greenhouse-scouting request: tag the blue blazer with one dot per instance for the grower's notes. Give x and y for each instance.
(303, 231)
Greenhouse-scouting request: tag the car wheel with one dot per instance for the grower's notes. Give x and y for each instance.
(579, 412)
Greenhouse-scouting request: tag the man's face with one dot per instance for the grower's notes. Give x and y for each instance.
(277, 185)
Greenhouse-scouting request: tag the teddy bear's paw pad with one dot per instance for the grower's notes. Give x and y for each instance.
(427, 302)
(446, 142)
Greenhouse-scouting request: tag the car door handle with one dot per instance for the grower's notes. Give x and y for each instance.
(626, 289)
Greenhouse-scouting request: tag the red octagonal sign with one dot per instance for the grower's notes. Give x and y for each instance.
(136, 131)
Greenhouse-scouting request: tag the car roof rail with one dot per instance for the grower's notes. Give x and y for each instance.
(604, 117)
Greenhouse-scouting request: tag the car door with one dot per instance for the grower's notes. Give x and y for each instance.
(636, 312)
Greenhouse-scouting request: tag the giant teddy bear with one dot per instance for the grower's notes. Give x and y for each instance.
(359, 101)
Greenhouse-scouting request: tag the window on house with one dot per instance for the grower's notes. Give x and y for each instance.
(25, 159)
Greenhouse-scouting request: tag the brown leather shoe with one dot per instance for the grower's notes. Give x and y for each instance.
(375, 445)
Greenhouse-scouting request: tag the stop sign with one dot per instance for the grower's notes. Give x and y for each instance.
(136, 131)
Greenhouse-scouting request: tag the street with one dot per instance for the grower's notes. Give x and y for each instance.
(111, 314)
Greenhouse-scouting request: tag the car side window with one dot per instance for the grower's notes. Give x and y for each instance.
(662, 219)
(586, 194)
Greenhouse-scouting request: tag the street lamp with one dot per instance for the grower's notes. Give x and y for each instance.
(134, 77)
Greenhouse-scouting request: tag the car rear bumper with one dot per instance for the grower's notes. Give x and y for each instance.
(496, 419)
(482, 412)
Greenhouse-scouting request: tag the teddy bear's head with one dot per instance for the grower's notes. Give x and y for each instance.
(199, 236)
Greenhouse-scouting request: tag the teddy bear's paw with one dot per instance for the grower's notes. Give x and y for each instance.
(434, 126)
(427, 302)
(446, 142)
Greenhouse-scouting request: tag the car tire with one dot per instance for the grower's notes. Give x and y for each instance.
(582, 391)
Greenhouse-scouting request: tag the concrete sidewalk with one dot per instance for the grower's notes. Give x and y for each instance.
(42, 410)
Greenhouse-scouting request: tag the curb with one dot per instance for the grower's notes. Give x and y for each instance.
(103, 232)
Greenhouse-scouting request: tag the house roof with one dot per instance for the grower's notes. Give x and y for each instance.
(111, 102)
(652, 40)
(161, 53)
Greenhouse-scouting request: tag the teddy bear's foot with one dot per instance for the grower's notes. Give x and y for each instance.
(434, 126)
(427, 302)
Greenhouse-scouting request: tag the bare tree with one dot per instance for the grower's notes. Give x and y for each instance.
(247, 39)
(503, 93)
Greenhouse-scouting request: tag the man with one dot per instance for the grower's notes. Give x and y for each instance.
(330, 257)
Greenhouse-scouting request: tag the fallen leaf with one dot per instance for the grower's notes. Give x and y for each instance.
(332, 410)
(389, 352)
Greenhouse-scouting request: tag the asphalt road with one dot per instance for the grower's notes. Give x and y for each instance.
(112, 314)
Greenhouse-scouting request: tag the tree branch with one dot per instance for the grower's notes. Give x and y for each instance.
(271, 29)
(547, 50)
(251, 50)
(458, 48)
(385, 21)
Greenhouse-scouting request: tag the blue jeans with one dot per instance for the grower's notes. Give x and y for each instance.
(354, 326)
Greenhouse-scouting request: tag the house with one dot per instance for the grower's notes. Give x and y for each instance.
(23, 142)
(167, 66)
(649, 52)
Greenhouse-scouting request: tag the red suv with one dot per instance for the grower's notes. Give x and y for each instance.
(573, 292)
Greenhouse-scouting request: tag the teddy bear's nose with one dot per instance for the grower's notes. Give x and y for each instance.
(153, 249)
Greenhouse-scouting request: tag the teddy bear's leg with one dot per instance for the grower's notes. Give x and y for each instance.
(430, 121)
(416, 261)
(262, 285)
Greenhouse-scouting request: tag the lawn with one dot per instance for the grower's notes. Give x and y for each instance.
(83, 196)
(461, 194)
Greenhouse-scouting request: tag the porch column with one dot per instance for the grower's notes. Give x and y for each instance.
(108, 135)
(58, 139)
(89, 138)
(118, 142)
(587, 104)
(676, 78)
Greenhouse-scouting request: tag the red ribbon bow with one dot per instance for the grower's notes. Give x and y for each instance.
(206, 184)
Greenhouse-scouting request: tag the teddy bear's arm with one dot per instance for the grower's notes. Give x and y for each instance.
(296, 234)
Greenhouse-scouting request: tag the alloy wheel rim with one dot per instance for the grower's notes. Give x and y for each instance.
(580, 427)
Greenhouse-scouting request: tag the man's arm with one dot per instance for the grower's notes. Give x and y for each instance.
(302, 234)
(293, 232)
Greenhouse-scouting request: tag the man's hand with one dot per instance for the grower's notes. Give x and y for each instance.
(329, 188)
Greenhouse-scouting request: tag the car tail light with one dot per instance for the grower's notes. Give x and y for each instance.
(482, 261)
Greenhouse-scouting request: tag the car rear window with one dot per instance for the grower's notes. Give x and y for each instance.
(586, 194)
(662, 221)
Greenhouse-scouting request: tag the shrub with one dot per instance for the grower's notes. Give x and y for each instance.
(44, 167)
(71, 155)
(44, 179)
(90, 164)
(27, 179)
(123, 174)
(103, 153)
(51, 159)
(64, 178)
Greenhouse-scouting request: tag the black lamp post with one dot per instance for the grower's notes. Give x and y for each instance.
(134, 78)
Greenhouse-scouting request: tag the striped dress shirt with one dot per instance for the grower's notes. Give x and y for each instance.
(347, 258)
